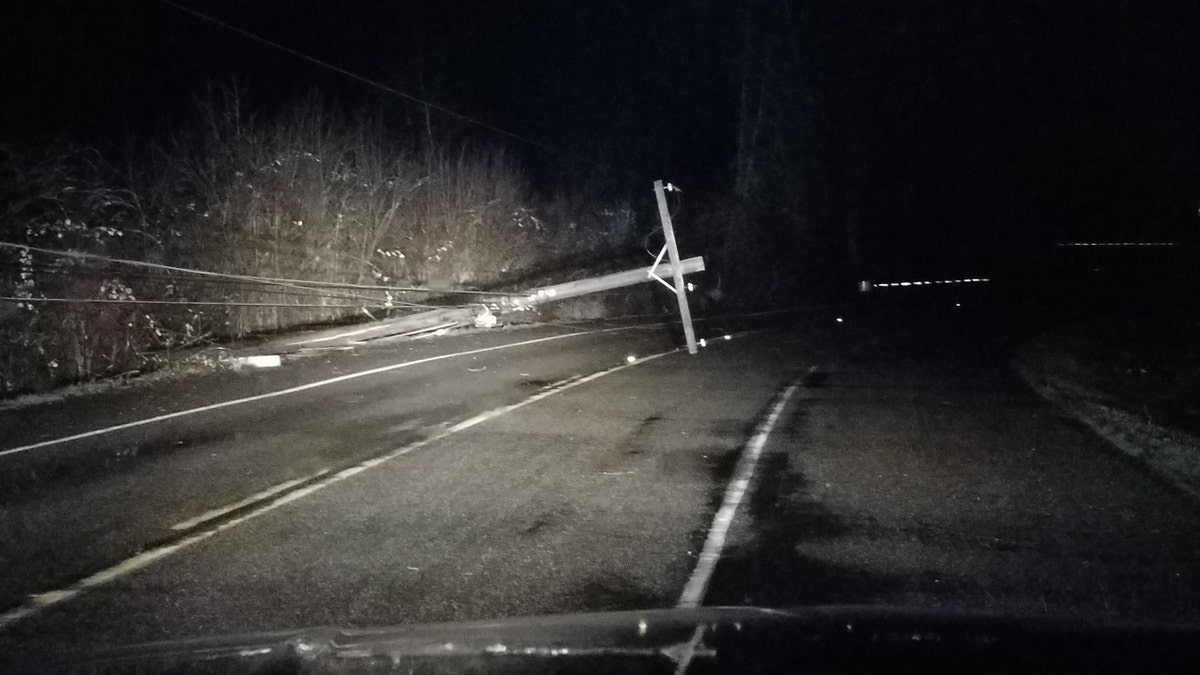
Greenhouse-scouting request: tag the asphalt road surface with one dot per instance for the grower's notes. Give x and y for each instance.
(539, 470)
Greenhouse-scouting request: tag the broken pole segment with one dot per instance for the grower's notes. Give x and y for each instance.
(608, 282)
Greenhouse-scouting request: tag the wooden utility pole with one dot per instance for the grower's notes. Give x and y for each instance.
(448, 317)
(685, 312)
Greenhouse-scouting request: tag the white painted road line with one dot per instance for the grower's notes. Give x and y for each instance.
(697, 585)
(243, 503)
(293, 390)
(40, 601)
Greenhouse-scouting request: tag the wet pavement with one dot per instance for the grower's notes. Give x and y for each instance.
(524, 481)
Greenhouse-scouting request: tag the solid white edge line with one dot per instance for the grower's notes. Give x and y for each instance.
(45, 599)
(697, 585)
(292, 390)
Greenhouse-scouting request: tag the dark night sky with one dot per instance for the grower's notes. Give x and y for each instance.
(961, 119)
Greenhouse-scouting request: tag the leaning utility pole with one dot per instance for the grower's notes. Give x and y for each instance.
(670, 248)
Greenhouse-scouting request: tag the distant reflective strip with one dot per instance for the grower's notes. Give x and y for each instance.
(293, 390)
(906, 284)
(1119, 243)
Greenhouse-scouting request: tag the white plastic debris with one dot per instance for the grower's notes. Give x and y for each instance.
(486, 319)
(262, 361)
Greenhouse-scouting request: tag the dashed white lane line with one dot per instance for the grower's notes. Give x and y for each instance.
(40, 601)
(293, 390)
(697, 585)
(243, 503)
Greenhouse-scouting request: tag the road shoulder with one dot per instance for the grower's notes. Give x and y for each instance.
(1170, 453)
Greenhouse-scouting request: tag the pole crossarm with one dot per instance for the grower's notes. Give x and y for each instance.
(607, 282)
(654, 268)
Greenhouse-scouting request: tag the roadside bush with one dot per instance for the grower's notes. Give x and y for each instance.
(310, 196)
(67, 201)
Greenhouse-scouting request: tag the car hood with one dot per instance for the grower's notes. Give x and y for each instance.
(707, 639)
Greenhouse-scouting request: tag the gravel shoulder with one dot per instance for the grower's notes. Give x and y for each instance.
(1134, 379)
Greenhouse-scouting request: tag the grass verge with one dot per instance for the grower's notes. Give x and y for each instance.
(1133, 377)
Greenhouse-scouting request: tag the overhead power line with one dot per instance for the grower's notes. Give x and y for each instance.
(270, 281)
(73, 272)
(206, 303)
(379, 85)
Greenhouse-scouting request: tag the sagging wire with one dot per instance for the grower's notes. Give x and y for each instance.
(270, 281)
(205, 303)
(173, 281)
(218, 277)
(678, 200)
(307, 287)
(385, 88)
